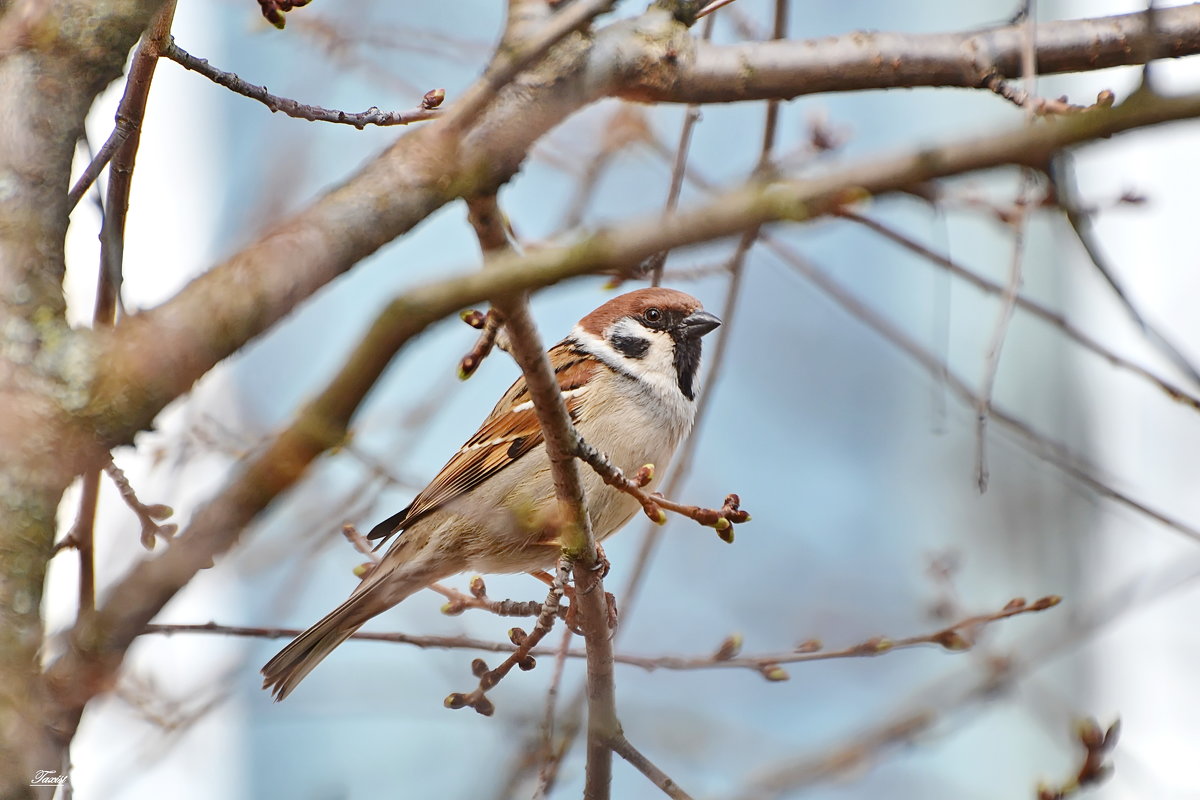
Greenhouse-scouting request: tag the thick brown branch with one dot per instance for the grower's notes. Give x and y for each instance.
(55, 57)
(858, 61)
(165, 350)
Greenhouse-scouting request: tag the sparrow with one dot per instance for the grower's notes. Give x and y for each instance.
(628, 373)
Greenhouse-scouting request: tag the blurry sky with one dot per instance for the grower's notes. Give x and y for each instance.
(857, 466)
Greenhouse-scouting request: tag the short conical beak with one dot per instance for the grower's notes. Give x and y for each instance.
(697, 324)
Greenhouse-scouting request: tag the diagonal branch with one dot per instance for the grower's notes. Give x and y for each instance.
(1063, 176)
(520, 52)
(97, 644)
(163, 351)
(1040, 446)
(1034, 308)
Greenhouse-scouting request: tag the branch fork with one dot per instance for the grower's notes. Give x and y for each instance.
(524, 641)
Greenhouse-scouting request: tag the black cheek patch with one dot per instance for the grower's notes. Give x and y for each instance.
(630, 346)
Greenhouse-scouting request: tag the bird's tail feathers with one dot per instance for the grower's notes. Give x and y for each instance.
(375, 595)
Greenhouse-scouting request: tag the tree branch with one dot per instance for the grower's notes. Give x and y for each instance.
(1175, 392)
(55, 57)
(860, 61)
(163, 351)
(425, 110)
(97, 645)
(622, 747)
(575, 537)
(956, 637)
(1040, 446)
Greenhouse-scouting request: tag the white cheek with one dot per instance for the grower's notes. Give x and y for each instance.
(658, 365)
(657, 383)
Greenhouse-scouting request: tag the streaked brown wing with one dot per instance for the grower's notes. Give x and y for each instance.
(508, 433)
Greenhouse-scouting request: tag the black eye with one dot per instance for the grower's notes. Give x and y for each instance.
(653, 315)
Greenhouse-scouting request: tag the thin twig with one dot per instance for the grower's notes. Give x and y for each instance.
(82, 538)
(148, 515)
(691, 116)
(100, 160)
(360, 543)
(429, 642)
(457, 602)
(956, 637)
(489, 329)
(525, 643)
(627, 751)
(711, 7)
(654, 505)
(959, 636)
(545, 773)
(1043, 106)
(1038, 310)
(1008, 304)
(1094, 768)
(1040, 446)
(427, 109)
(1062, 173)
(1008, 300)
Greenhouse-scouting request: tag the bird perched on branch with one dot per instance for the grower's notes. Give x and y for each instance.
(628, 373)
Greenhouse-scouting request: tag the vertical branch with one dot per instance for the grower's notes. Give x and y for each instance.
(130, 113)
(578, 543)
(560, 658)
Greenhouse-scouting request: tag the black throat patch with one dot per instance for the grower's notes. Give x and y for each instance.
(687, 362)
